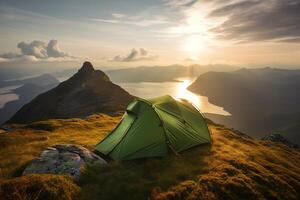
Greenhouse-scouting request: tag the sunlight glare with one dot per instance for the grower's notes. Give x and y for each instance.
(184, 93)
(193, 45)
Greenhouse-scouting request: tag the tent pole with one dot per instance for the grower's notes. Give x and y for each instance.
(170, 146)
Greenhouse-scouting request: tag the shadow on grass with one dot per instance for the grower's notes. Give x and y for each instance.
(135, 179)
(19, 170)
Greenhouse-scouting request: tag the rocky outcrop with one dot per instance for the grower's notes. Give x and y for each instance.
(274, 137)
(63, 159)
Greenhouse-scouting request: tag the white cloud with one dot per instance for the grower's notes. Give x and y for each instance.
(118, 15)
(180, 3)
(34, 48)
(143, 19)
(54, 51)
(2, 60)
(142, 23)
(37, 51)
(143, 52)
(191, 59)
(135, 55)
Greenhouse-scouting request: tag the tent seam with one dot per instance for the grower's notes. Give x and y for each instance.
(123, 136)
(165, 130)
(203, 118)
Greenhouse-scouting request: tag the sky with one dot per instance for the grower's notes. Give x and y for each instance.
(118, 33)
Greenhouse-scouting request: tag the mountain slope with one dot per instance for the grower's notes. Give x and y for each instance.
(292, 132)
(260, 100)
(86, 92)
(234, 166)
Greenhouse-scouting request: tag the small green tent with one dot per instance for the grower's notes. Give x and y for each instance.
(150, 128)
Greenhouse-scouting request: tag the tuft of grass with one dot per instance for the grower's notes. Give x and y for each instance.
(33, 187)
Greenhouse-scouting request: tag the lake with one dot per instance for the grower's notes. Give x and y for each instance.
(176, 90)
(7, 95)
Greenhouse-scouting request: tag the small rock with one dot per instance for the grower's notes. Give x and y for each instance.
(275, 137)
(7, 128)
(2, 130)
(63, 159)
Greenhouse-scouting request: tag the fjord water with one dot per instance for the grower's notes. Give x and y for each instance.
(7, 95)
(176, 90)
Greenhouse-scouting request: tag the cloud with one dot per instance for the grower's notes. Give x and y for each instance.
(9, 55)
(135, 55)
(238, 21)
(191, 59)
(35, 48)
(142, 23)
(141, 19)
(54, 51)
(118, 15)
(253, 20)
(181, 3)
(36, 51)
(143, 52)
(3, 60)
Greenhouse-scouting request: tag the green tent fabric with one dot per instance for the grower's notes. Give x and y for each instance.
(153, 127)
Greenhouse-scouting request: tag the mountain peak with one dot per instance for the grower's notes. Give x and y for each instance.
(86, 92)
(86, 68)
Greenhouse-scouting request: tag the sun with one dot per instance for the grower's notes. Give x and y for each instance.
(193, 45)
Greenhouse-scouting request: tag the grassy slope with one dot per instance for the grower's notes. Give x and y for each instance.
(234, 166)
(19, 147)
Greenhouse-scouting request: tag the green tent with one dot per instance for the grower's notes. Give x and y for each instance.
(152, 127)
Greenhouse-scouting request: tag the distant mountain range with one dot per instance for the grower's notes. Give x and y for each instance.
(153, 73)
(88, 91)
(41, 80)
(163, 73)
(260, 100)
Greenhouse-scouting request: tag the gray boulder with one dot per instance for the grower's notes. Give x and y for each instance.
(66, 159)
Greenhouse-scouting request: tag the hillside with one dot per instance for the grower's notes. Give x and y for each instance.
(260, 100)
(86, 92)
(292, 132)
(235, 166)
